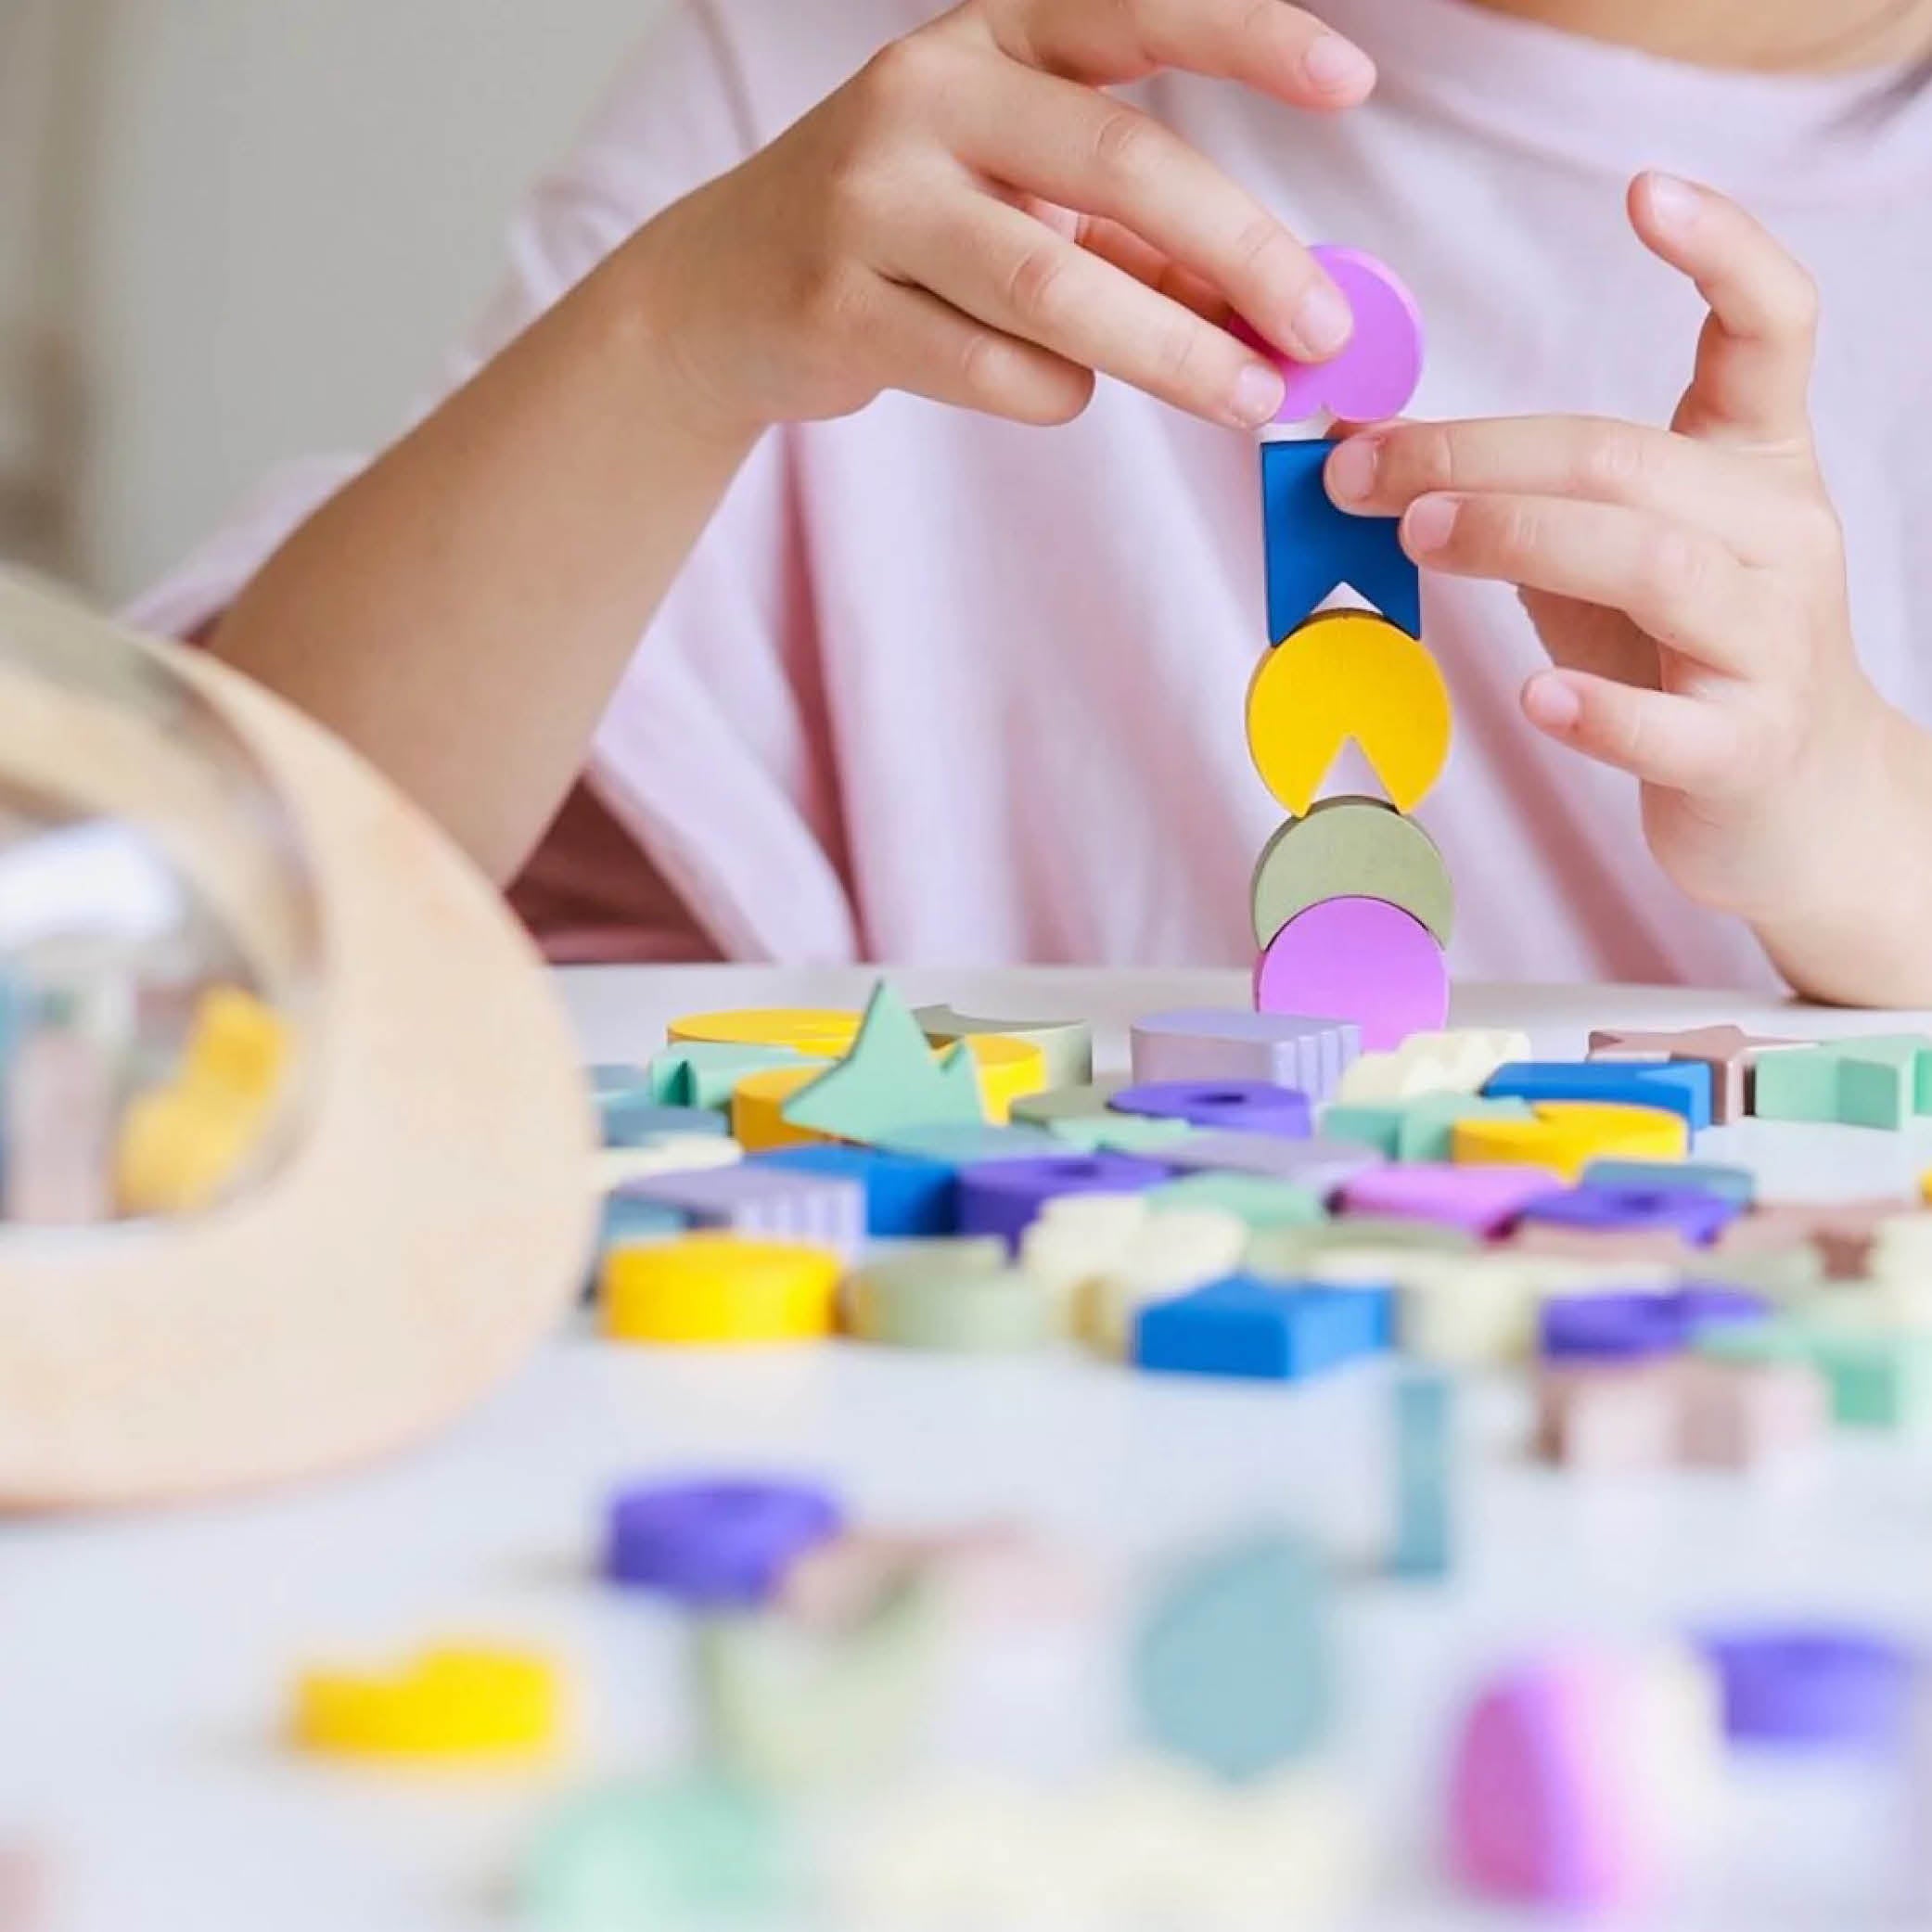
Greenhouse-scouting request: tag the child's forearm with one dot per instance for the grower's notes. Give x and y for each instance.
(462, 612)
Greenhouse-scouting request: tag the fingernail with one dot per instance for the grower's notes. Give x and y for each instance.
(1551, 704)
(1258, 394)
(1431, 523)
(1351, 470)
(1674, 205)
(1336, 66)
(1323, 322)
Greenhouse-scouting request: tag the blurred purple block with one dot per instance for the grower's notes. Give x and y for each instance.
(716, 1544)
(1323, 1167)
(1813, 1686)
(1234, 1043)
(1232, 1105)
(1005, 1198)
(1484, 1200)
(1623, 1328)
(764, 1201)
(1697, 1218)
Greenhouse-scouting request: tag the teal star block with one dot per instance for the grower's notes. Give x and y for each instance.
(891, 1081)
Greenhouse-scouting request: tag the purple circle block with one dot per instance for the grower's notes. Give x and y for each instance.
(1377, 375)
(1359, 960)
(725, 1545)
(1697, 1218)
(1810, 1686)
(1623, 1328)
(1223, 1105)
(1005, 1198)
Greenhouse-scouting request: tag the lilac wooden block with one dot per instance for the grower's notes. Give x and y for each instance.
(1362, 961)
(1377, 374)
(1697, 1218)
(1212, 1044)
(1627, 1327)
(1322, 1166)
(1482, 1200)
(1005, 1198)
(1813, 1685)
(1232, 1105)
(725, 1543)
(823, 1208)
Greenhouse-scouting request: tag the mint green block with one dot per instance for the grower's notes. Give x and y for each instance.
(1880, 1081)
(1119, 1133)
(1376, 1125)
(1416, 1130)
(706, 1073)
(1879, 1378)
(1068, 1102)
(1258, 1199)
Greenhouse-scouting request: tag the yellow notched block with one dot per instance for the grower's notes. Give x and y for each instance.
(825, 1035)
(449, 1703)
(711, 1289)
(1349, 674)
(758, 1102)
(1009, 1069)
(1567, 1135)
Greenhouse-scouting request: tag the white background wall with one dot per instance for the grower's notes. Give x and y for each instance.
(297, 203)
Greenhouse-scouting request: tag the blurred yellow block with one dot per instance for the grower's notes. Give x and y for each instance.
(758, 1121)
(237, 1045)
(449, 1703)
(1567, 1135)
(711, 1289)
(180, 1146)
(1009, 1069)
(805, 1029)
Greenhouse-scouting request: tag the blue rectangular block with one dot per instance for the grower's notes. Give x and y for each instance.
(905, 1196)
(1314, 549)
(1267, 1331)
(1676, 1086)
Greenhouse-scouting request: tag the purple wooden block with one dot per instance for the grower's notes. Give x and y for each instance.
(1485, 1200)
(1322, 1166)
(1213, 1043)
(1697, 1218)
(716, 1544)
(1005, 1198)
(755, 1200)
(1623, 1328)
(1235, 1105)
(1811, 1686)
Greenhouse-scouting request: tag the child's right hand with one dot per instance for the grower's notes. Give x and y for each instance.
(972, 219)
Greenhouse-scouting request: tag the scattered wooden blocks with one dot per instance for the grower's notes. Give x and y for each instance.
(1878, 1379)
(1629, 1326)
(1730, 1052)
(1119, 1133)
(963, 1145)
(1005, 1198)
(955, 1297)
(1678, 1086)
(1454, 1062)
(1423, 1129)
(714, 1288)
(634, 1119)
(450, 1704)
(1567, 1135)
(1606, 1420)
(816, 1034)
(1206, 1043)
(1843, 1234)
(1264, 1330)
(616, 1167)
(1743, 1416)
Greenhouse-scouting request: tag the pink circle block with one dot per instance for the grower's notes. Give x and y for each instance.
(1362, 960)
(1378, 373)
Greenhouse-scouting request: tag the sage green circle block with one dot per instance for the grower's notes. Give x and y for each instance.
(1352, 847)
(953, 1296)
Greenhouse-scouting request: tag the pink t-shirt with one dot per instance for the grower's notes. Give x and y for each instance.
(935, 688)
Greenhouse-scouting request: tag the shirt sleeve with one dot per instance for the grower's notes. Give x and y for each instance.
(713, 760)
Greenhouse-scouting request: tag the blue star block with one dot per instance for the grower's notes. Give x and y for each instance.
(1314, 549)
(1676, 1086)
(1268, 1331)
(905, 1196)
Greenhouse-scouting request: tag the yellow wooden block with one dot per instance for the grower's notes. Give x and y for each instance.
(1009, 1069)
(715, 1288)
(1349, 674)
(825, 1035)
(758, 1102)
(180, 1146)
(237, 1045)
(1567, 1135)
(1926, 1187)
(449, 1703)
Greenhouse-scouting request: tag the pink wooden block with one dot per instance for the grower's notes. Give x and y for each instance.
(1607, 1248)
(1745, 1415)
(1362, 961)
(1376, 376)
(1611, 1420)
(1482, 1200)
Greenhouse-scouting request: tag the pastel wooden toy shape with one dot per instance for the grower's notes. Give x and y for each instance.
(1728, 1184)
(1359, 961)
(1181, 1250)
(1073, 1102)
(1005, 1198)
(1580, 1781)
(450, 1704)
(755, 1200)
(1067, 1045)
(1311, 548)
(1233, 1667)
(665, 1154)
(1878, 1379)
(1287, 1049)
(1425, 1451)
(1264, 1330)
(1350, 846)
(1843, 1234)
(758, 1105)
(1255, 1200)
(633, 1119)
(1809, 1686)
(1349, 674)
(962, 1144)
(1693, 1217)
(815, 1032)
(904, 1196)
(1120, 1133)
(959, 1297)
(1229, 1105)
(1416, 1130)
(1876, 1082)
(1320, 1165)
(1377, 374)
(1746, 1416)
(711, 1289)
(1682, 1086)
(888, 1080)
(706, 1072)
(1567, 1135)
(1454, 1062)
(1480, 1200)
(716, 1544)
(1730, 1052)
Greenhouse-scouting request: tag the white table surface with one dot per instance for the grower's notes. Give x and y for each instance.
(144, 1662)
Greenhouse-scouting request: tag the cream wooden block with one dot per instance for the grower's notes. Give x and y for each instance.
(429, 1221)
(1458, 1061)
(1180, 1251)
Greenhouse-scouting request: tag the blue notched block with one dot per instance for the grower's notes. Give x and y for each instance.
(1314, 549)
(1677, 1087)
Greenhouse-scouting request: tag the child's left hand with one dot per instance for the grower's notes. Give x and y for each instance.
(1690, 586)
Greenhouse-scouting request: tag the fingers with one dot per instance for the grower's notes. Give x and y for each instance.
(1016, 276)
(1266, 45)
(1088, 151)
(1681, 586)
(1660, 739)
(1753, 377)
(1381, 471)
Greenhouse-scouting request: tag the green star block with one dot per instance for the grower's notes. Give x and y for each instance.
(891, 1081)
(1877, 1083)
